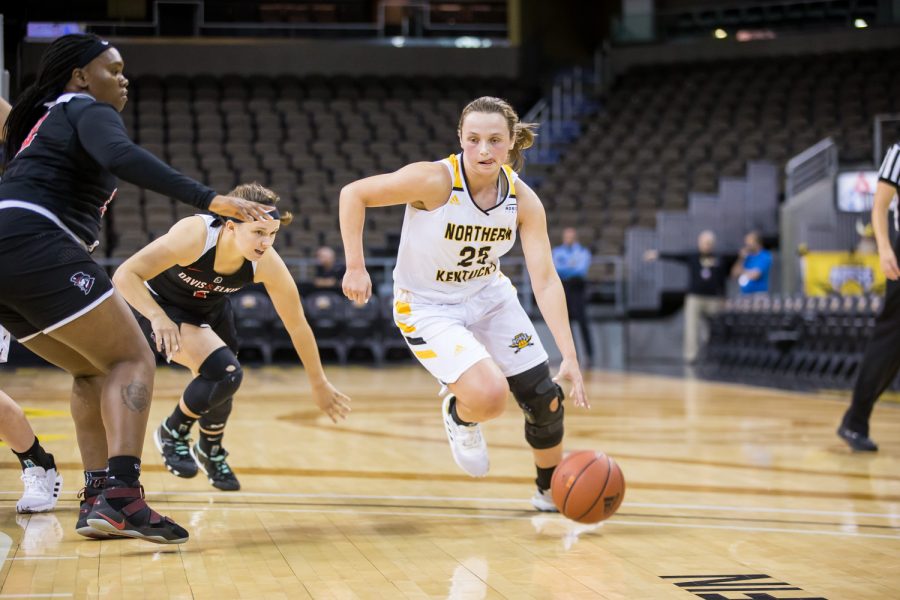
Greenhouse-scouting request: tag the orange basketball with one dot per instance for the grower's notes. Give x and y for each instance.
(588, 486)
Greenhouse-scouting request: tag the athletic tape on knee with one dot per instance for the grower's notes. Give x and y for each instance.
(219, 379)
(535, 391)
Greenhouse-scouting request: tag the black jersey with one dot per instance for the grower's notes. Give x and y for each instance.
(69, 162)
(197, 287)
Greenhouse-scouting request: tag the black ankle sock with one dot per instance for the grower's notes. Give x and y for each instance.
(124, 470)
(180, 423)
(94, 481)
(35, 457)
(211, 444)
(455, 416)
(544, 477)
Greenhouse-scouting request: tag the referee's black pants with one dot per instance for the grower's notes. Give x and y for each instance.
(576, 303)
(880, 362)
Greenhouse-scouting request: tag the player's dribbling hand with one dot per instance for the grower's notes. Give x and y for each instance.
(238, 208)
(889, 264)
(569, 371)
(167, 336)
(331, 401)
(357, 285)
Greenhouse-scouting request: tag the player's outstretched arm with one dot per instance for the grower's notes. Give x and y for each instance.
(183, 244)
(102, 134)
(273, 274)
(425, 185)
(547, 287)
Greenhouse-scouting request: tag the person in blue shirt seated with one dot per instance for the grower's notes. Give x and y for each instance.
(753, 265)
(572, 261)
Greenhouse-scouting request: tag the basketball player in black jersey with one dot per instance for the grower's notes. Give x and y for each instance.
(65, 146)
(41, 480)
(180, 284)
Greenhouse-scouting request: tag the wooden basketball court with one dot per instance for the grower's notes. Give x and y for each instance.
(731, 491)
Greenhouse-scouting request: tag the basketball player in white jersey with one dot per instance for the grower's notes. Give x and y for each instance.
(459, 314)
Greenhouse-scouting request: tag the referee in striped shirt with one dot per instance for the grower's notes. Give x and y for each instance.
(882, 358)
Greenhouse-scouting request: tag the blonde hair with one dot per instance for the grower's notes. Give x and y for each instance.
(259, 193)
(522, 133)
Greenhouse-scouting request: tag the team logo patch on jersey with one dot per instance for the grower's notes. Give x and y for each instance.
(520, 342)
(511, 208)
(454, 199)
(83, 281)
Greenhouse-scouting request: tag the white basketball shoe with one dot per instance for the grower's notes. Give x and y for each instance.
(543, 501)
(42, 487)
(466, 442)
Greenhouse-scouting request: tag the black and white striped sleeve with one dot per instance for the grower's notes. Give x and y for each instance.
(890, 168)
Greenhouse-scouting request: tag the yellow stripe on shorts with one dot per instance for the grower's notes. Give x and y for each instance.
(425, 353)
(405, 328)
(402, 307)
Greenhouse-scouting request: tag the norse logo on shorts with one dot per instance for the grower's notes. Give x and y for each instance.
(521, 341)
(83, 281)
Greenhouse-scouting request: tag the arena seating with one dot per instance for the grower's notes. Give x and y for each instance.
(670, 130)
(305, 138)
(790, 341)
(664, 132)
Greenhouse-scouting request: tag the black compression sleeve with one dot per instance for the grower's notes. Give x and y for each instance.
(102, 133)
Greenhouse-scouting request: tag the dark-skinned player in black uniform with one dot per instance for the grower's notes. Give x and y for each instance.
(65, 147)
(41, 480)
(180, 284)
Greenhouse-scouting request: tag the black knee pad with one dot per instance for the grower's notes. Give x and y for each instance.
(535, 392)
(220, 377)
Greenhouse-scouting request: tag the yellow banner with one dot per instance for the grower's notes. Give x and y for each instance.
(842, 273)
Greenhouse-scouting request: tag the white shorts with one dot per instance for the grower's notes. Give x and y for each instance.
(449, 338)
(4, 345)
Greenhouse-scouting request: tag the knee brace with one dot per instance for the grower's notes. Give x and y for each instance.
(219, 379)
(535, 392)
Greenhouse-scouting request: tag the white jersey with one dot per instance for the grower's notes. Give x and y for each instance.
(449, 253)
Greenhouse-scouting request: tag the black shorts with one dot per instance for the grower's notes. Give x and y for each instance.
(47, 278)
(220, 320)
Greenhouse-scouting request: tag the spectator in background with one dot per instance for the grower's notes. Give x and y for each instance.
(572, 261)
(328, 273)
(753, 265)
(708, 276)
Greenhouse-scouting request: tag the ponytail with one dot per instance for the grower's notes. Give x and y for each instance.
(524, 135)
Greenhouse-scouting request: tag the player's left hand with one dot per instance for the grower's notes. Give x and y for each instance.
(569, 371)
(238, 208)
(331, 401)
